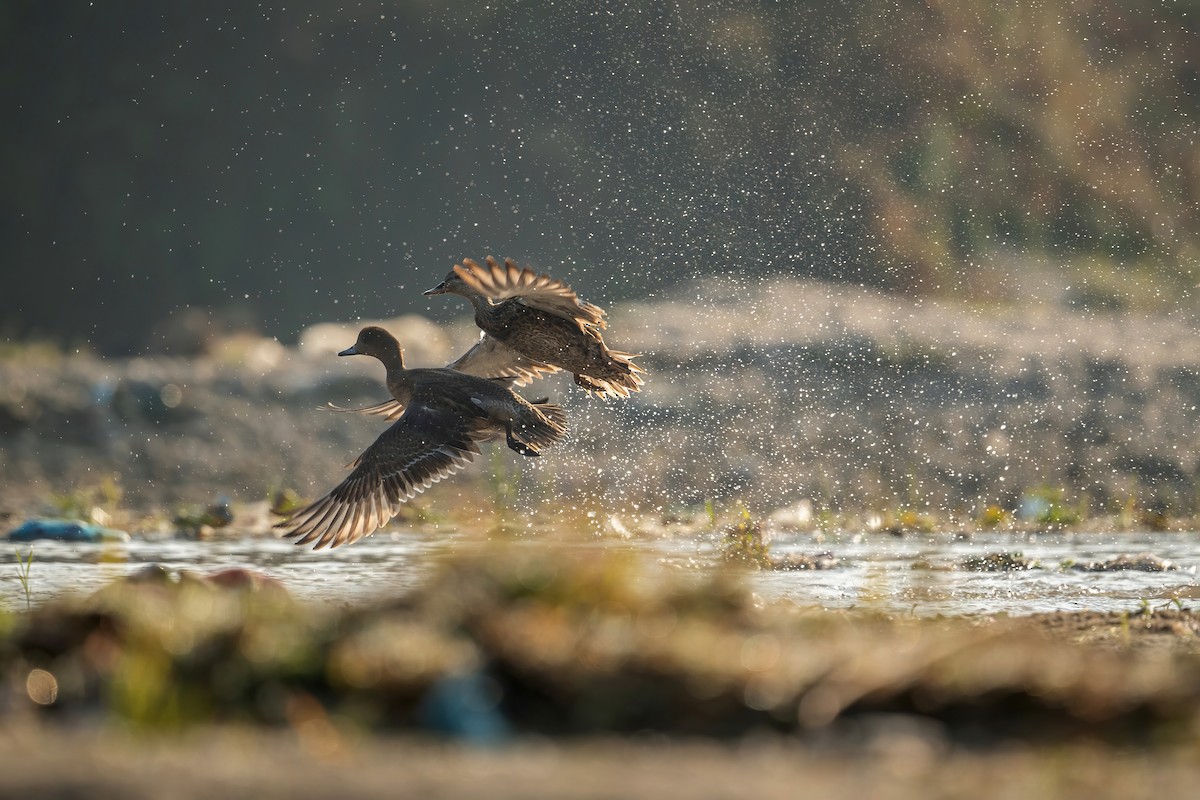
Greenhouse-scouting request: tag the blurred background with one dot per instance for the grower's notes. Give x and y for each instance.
(267, 166)
(891, 255)
(912, 280)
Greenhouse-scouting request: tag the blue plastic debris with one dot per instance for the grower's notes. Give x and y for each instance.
(465, 707)
(65, 530)
(1033, 507)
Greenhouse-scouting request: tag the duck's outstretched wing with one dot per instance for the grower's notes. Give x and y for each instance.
(534, 289)
(425, 445)
(492, 358)
(388, 409)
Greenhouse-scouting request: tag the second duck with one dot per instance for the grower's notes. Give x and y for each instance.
(538, 323)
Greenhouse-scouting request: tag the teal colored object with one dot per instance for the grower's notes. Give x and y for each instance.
(65, 530)
(465, 707)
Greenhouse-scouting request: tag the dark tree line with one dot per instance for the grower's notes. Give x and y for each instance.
(277, 165)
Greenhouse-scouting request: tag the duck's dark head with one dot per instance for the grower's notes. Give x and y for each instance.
(375, 341)
(453, 284)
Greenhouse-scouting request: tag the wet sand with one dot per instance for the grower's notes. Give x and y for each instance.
(900, 764)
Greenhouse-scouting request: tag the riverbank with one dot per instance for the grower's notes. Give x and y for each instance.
(856, 405)
(568, 675)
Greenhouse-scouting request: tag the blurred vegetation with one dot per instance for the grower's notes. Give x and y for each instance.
(1047, 505)
(253, 166)
(98, 502)
(742, 542)
(24, 566)
(556, 643)
(1059, 128)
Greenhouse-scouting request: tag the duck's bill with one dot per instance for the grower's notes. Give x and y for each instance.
(349, 351)
(439, 289)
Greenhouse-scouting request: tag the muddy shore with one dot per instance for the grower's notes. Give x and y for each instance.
(773, 394)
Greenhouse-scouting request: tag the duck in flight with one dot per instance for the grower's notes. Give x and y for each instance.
(441, 416)
(535, 325)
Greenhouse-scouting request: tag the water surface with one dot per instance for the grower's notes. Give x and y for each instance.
(876, 571)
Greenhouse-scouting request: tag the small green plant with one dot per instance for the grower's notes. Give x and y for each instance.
(1172, 602)
(743, 544)
(906, 520)
(24, 564)
(97, 503)
(910, 519)
(502, 481)
(284, 500)
(992, 516)
(1046, 505)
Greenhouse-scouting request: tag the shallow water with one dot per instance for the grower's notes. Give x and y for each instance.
(879, 571)
(875, 571)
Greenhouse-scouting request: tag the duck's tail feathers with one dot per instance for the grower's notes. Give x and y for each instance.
(620, 377)
(544, 424)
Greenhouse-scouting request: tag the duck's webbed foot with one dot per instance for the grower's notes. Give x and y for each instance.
(520, 446)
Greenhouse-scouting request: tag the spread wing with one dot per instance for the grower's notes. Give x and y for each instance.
(388, 409)
(534, 289)
(492, 358)
(425, 445)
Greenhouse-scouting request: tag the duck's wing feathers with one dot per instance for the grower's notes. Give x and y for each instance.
(492, 358)
(388, 409)
(534, 289)
(425, 445)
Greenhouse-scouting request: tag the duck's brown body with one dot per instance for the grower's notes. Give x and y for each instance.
(560, 342)
(538, 319)
(442, 415)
